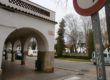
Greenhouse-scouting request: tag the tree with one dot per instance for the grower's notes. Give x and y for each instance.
(90, 43)
(60, 2)
(86, 22)
(104, 32)
(71, 31)
(105, 39)
(87, 25)
(60, 46)
(33, 43)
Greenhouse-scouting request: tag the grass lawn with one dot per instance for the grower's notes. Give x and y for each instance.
(73, 59)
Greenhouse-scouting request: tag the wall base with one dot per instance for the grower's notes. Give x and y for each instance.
(45, 62)
(0, 71)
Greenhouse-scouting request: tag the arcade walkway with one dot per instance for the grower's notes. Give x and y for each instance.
(15, 71)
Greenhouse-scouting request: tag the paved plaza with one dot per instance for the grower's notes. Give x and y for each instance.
(64, 70)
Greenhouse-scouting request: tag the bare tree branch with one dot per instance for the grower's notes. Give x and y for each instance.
(71, 32)
(62, 2)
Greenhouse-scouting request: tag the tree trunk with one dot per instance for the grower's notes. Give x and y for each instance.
(72, 49)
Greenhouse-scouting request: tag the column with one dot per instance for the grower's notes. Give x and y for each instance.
(23, 58)
(12, 56)
(45, 62)
(6, 55)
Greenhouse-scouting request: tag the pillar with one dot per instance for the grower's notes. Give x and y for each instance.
(45, 61)
(12, 56)
(23, 58)
(12, 52)
(6, 55)
(22, 51)
(39, 61)
(1, 60)
(48, 65)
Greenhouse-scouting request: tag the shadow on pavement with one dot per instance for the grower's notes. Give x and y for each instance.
(15, 71)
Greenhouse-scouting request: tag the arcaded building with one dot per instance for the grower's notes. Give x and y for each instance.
(20, 20)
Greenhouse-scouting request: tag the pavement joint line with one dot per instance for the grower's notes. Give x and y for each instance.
(73, 78)
(70, 77)
(79, 72)
(71, 70)
(67, 69)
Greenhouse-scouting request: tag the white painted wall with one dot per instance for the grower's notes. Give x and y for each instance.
(52, 13)
(18, 20)
(4, 31)
(10, 21)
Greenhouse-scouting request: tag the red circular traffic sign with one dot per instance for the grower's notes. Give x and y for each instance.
(87, 7)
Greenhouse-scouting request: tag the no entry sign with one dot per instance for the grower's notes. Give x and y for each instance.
(87, 7)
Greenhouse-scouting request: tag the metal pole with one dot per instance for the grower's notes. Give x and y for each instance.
(101, 74)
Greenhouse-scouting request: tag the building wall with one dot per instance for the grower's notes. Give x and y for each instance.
(10, 21)
(4, 31)
(17, 20)
(52, 13)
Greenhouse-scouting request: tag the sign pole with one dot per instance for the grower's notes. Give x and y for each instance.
(101, 74)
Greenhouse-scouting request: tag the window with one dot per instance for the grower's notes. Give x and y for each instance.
(30, 7)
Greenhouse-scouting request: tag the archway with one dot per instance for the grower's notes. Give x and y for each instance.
(23, 35)
(31, 51)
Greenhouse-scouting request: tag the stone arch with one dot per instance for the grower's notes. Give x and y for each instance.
(44, 62)
(27, 33)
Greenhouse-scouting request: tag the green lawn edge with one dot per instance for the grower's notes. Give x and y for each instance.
(73, 59)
